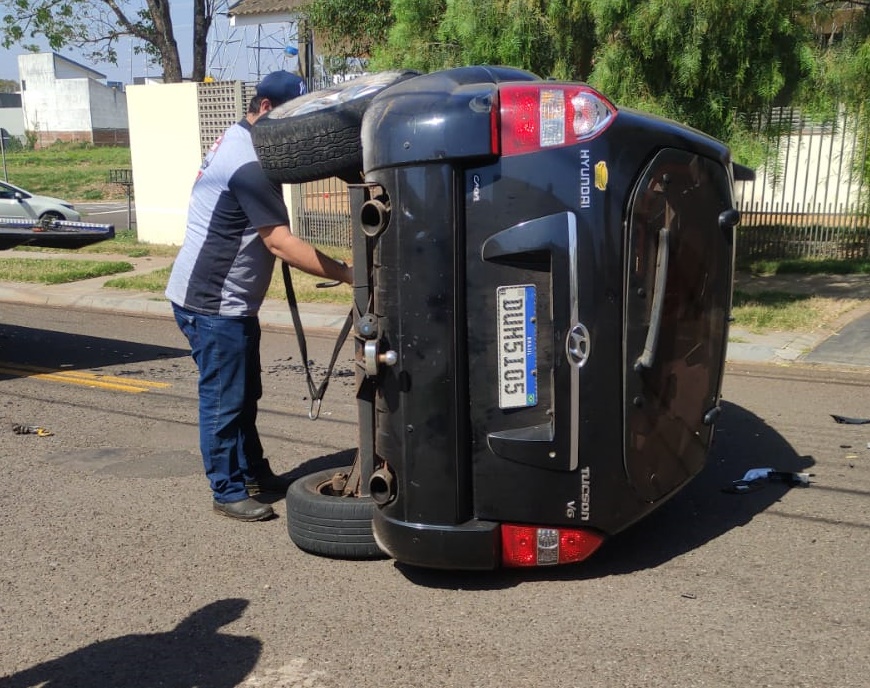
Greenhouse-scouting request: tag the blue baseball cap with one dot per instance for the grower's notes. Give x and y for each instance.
(281, 86)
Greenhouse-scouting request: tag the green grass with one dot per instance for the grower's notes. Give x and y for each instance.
(304, 285)
(42, 271)
(808, 267)
(772, 311)
(154, 281)
(71, 171)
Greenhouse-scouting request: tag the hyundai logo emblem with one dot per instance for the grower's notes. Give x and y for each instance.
(577, 345)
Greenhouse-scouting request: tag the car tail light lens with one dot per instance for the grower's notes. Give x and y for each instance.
(535, 116)
(537, 546)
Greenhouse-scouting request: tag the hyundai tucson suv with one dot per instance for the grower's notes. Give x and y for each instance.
(543, 286)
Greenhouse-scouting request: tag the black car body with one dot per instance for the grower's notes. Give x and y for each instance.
(543, 288)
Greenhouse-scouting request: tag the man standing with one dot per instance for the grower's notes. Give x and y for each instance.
(237, 224)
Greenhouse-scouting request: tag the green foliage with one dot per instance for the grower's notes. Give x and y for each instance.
(9, 86)
(96, 26)
(696, 61)
(554, 38)
(699, 61)
(349, 28)
(413, 39)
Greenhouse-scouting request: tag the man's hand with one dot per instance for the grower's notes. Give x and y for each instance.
(299, 254)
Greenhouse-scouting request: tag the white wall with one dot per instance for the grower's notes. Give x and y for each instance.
(12, 120)
(166, 155)
(74, 103)
(50, 104)
(108, 107)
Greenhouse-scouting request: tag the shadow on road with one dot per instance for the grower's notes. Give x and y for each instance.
(699, 513)
(27, 346)
(194, 653)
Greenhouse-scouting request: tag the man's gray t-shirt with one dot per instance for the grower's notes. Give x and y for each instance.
(223, 267)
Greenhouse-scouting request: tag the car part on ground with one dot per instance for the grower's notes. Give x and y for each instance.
(542, 292)
(316, 136)
(48, 233)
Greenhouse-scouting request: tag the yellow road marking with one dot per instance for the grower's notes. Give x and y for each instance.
(77, 377)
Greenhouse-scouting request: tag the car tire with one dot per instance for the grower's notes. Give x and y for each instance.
(329, 525)
(317, 135)
(51, 216)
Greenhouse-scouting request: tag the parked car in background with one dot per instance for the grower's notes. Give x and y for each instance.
(28, 219)
(18, 203)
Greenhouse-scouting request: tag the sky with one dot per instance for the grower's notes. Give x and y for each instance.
(233, 53)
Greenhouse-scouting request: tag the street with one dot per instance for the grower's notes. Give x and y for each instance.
(109, 213)
(115, 572)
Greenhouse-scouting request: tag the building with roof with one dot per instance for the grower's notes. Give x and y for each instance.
(63, 100)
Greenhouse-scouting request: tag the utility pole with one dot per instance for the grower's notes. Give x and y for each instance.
(3, 152)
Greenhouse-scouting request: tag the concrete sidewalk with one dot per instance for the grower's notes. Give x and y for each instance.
(93, 295)
(845, 342)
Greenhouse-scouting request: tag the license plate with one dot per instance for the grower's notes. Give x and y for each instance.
(517, 350)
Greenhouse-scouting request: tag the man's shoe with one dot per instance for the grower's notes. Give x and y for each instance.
(265, 480)
(244, 510)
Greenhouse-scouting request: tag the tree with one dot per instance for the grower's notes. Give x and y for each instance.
(841, 71)
(9, 86)
(549, 37)
(700, 61)
(840, 80)
(349, 28)
(95, 26)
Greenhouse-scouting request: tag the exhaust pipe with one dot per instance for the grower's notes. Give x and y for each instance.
(374, 217)
(382, 486)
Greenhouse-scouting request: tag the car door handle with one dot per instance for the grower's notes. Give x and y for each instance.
(645, 360)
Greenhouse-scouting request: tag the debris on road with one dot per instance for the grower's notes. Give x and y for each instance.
(19, 429)
(850, 421)
(755, 479)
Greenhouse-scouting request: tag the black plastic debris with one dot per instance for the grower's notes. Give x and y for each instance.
(756, 478)
(20, 429)
(850, 421)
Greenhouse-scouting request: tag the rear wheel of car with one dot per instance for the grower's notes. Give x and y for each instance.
(322, 522)
(317, 135)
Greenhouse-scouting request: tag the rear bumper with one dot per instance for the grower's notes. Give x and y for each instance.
(473, 545)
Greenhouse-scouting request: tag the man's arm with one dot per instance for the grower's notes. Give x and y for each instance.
(298, 253)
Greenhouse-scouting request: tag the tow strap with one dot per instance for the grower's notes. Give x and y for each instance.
(316, 391)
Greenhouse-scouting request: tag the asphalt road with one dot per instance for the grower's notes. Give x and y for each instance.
(109, 213)
(114, 571)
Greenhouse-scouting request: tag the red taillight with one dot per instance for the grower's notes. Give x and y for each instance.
(536, 546)
(538, 115)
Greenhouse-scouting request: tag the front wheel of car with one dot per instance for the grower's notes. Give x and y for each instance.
(317, 135)
(51, 216)
(321, 521)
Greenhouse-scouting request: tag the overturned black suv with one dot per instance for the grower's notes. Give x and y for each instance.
(542, 296)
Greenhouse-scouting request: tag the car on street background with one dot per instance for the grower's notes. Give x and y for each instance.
(16, 202)
(28, 219)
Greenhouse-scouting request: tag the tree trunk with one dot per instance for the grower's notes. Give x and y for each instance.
(164, 41)
(201, 23)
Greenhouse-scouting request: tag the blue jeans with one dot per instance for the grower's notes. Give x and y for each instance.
(227, 353)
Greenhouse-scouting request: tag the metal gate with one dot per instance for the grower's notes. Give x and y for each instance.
(810, 196)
